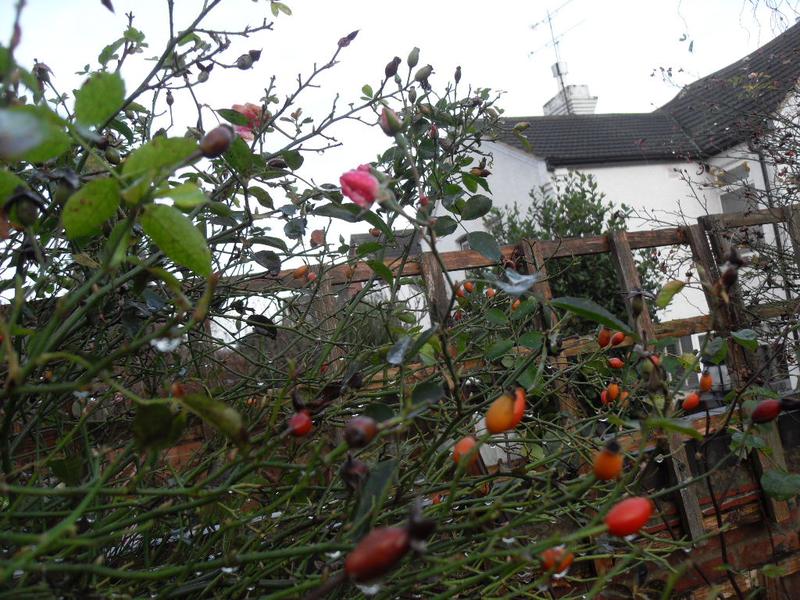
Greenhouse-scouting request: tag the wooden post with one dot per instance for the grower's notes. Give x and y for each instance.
(436, 291)
(689, 504)
(744, 364)
(534, 262)
(708, 274)
(791, 214)
(628, 274)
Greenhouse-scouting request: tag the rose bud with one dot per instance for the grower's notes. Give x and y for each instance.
(360, 431)
(390, 123)
(354, 473)
(423, 73)
(345, 41)
(217, 141)
(244, 62)
(360, 185)
(391, 67)
(277, 163)
(413, 58)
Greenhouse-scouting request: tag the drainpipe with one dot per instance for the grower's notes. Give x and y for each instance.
(778, 240)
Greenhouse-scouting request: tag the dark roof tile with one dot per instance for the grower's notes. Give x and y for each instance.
(705, 118)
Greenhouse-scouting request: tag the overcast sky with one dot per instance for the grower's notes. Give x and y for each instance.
(614, 47)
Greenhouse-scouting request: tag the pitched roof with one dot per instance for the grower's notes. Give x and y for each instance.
(705, 118)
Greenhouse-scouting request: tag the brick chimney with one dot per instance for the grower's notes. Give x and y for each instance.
(570, 99)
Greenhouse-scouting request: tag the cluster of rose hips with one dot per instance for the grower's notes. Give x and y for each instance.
(466, 289)
(625, 518)
(607, 339)
(304, 272)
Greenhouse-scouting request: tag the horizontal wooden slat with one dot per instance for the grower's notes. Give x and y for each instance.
(751, 217)
(462, 260)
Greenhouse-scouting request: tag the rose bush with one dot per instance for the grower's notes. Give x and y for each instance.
(205, 394)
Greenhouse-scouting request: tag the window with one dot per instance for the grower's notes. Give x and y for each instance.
(739, 196)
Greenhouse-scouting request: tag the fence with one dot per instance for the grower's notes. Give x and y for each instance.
(750, 529)
(754, 529)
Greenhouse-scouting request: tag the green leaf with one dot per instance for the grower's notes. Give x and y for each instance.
(159, 153)
(470, 182)
(232, 116)
(496, 316)
(8, 184)
(397, 353)
(532, 340)
(375, 490)
(70, 469)
(498, 349)
(157, 425)
(293, 159)
(407, 317)
(590, 310)
(740, 439)
(348, 212)
(674, 426)
(219, 415)
(773, 571)
(780, 485)
(31, 133)
(747, 338)
(91, 206)
(667, 292)
(122, 128)
(177, 237)
(242, 159)
(482, 242)
(381, 270)
(717, 350)
(379, 411)
(99, 98)
(444, 226)
(185, 196)
(295, 228)
(268, 240)
(368, 248)
(427, 392)
(107, 53)
(262, 196)
(279, 7)
(477, 206)
(367, 90)
(525, 308)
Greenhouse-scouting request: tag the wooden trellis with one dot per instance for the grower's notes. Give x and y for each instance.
(759, 529)
(708, 243)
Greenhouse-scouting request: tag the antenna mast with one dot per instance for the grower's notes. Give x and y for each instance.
(558, 68)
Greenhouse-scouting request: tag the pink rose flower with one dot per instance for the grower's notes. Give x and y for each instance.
(253, 114)
(360, 185)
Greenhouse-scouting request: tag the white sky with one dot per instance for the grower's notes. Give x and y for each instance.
(611, 46)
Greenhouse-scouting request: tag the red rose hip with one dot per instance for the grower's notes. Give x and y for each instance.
(766, 411)
(629, 516)
(300, 423)
(377, 553)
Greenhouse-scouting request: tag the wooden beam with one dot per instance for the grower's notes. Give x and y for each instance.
(628, 275)
(688, 505)
(534, 261)
(436, 292)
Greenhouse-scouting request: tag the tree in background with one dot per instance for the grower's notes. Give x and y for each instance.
(574, 207)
